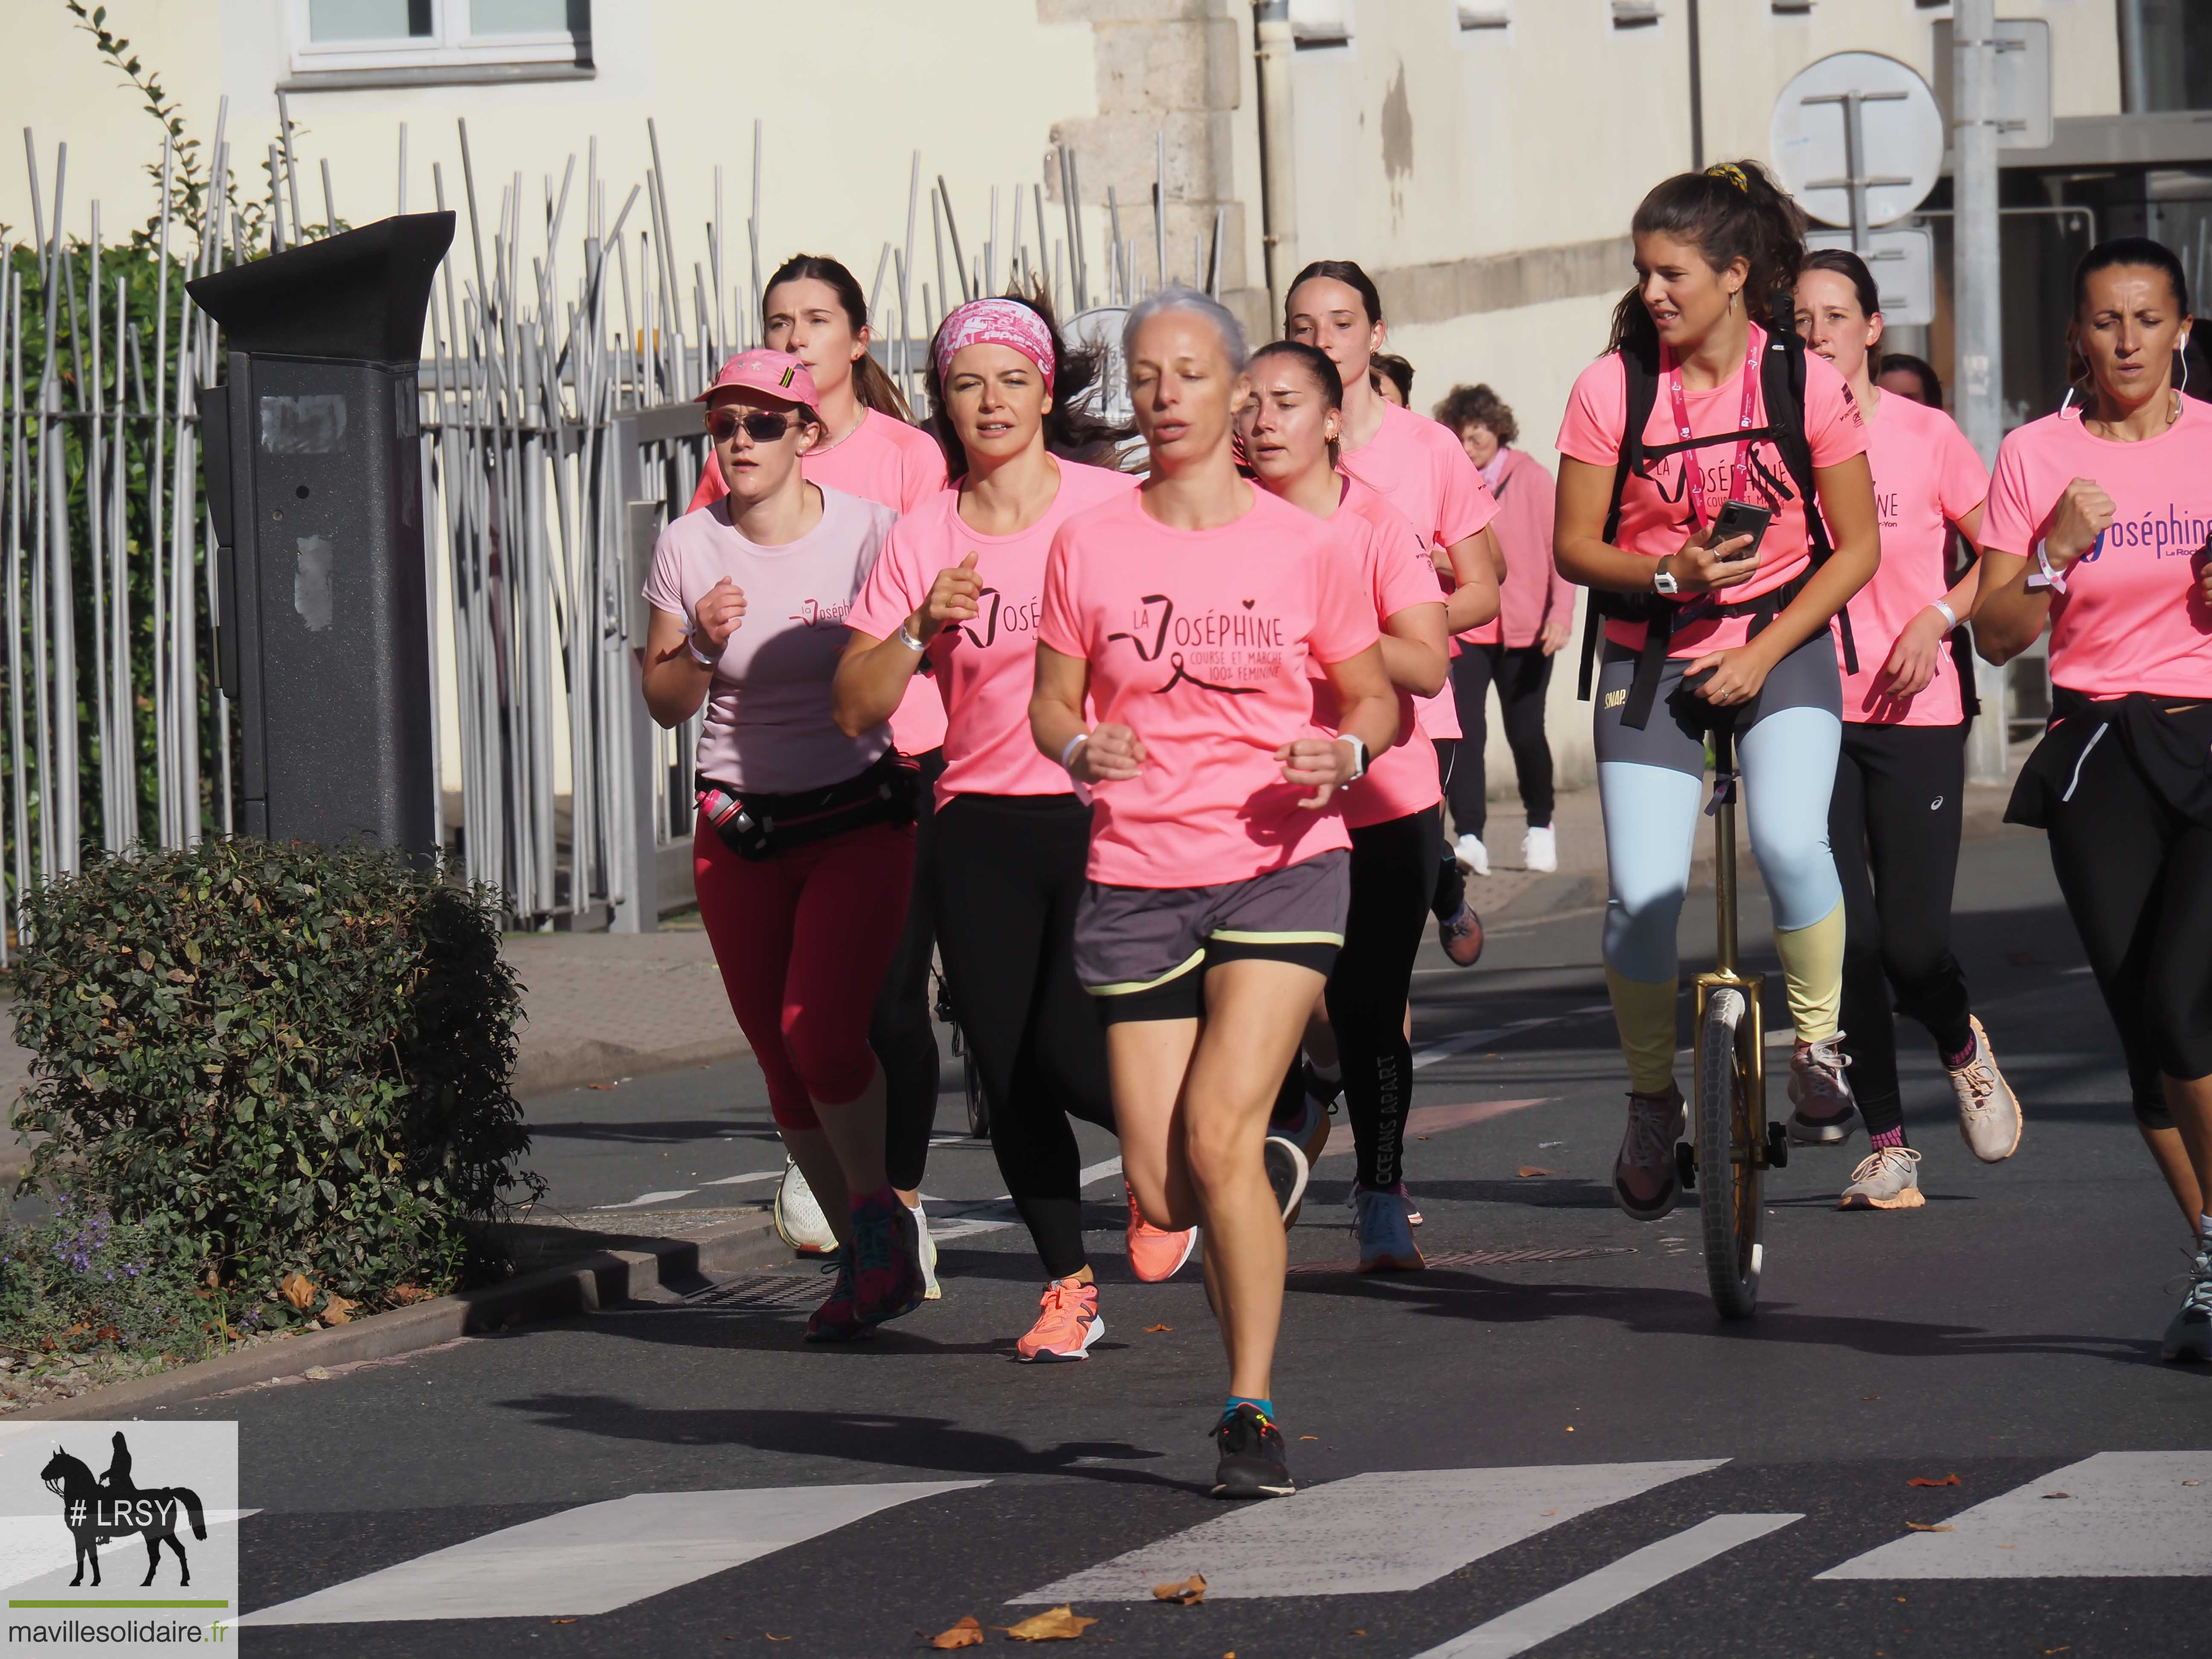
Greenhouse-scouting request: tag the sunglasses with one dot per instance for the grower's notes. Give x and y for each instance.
(722, 426)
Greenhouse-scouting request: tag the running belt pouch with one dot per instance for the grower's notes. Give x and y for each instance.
(759, 826)
(2168, 740)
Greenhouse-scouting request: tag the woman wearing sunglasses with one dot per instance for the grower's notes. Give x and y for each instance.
(803, 852)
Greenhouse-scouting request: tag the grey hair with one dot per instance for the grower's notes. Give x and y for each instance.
(1176, 297)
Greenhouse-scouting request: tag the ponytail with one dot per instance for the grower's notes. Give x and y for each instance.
(871, 383)
(1732, 210)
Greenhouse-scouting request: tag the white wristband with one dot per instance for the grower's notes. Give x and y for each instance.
(1074, 743)
(909, 641)
(699, 656)
(2045, 575)
(1950, 616)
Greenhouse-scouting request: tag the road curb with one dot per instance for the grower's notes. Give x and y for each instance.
(583, 1285)
(551, 1067)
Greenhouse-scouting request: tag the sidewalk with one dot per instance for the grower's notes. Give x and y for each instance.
(606, 1006)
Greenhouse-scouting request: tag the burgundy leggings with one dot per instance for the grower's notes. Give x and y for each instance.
(802, 941)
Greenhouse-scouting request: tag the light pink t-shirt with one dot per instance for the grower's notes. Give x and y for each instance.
(768, 727)
(1655, 511)
(1394, 567)
(885, 460)
(1926, 478)
(1199, 641)
(986, 667)
(1535, 591)
(1420, 467)
(2133, 616)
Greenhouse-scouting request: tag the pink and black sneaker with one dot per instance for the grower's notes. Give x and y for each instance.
(887, 1276)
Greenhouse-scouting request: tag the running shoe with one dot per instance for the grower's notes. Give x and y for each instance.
(1386, 1243)
(836, 1320)
(1539, 849)
(1821, 1093)
(930, 1290)
(1155, 1253)
(1461, 935)
(1989, 1112)
(1887, 1178)
(1287, 1172)
(1470, 852)
(887, 1281)
(1068, 1324)
(800, 1222)
(1413, 1210)
(1251, 1463)
(1308, 1128)
(1645, 1182)
(2189, 1335)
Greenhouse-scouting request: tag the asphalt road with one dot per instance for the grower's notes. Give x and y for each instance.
(1564, 1449)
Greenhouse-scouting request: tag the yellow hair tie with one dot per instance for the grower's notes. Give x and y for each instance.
(1732, 172)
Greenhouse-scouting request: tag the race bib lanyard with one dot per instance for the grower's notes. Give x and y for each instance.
(1693, 475)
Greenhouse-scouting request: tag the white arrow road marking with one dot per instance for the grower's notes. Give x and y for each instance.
(995, 1215)
(1370, 1533)
(2125, 1515)
(1459, 1042)
(599, 1557)
(1602, 1591)
(646, 1197)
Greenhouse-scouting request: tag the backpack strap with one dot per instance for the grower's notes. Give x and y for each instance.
(1641, 377)
(1782, 383)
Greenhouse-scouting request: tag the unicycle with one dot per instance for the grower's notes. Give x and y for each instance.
(1734, 1142)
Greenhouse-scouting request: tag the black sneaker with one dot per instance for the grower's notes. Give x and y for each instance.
(1251, 1463)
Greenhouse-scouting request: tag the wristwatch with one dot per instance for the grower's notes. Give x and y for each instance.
(1359, 757)
(1663, 579)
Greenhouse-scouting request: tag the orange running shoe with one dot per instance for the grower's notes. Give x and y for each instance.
(1155, 1253)
(1067, 1323)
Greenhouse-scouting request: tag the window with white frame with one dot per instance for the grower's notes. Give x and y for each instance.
(1630, 16)
(439, 36)
(1320, 24)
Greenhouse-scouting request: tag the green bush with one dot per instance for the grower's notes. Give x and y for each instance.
(77, 1282)
(289, 1058)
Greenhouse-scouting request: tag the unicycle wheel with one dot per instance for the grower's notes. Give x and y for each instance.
(979, 1107)
(1730, 1129)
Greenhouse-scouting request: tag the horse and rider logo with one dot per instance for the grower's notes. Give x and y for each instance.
(98, 1511)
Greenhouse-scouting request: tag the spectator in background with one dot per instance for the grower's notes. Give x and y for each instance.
(1393, 377)
(1910, 377)
(1515, 650)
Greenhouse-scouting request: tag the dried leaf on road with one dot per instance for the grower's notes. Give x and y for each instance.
(1530, 1171)
(338, 1311)
(2058, 1494)
(965, 1634)
(298, 1290)
(1062, 1624)
(1188, 1593)
(1922, 1526)
(1922, 1481)
(1149, 1329)
(407, 1293)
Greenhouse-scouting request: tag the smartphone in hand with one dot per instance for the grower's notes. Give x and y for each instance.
(1741, 519)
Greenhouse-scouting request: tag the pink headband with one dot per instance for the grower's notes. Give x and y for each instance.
(996, 322)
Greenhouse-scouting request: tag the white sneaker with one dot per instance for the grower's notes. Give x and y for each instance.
(1989, 1112)
(800, 1222)
(1887, 1179)
(926, 1250)
(1472, 853)
(1539, 849)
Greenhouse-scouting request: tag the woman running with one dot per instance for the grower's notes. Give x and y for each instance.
(1738, 629)
(805, 846)
(1186, 614)
(2098, 520)
(1894, 819)
(1393, 379)
(1911, 377)
(957, 588)
(1514, 651)
(813, 309)
(1420, 470)
(1290, 425)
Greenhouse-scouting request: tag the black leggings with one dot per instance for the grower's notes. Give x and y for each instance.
(1449, 891)
(899, 1029)
(1392, 875)
(1523, 674)
(1893, 823)
(1005, 883)
(2137, 880)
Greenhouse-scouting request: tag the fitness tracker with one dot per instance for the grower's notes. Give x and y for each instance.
(1663, 579)
(1358, 758)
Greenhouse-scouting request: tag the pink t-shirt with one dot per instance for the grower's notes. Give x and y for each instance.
(1926, 478)
(986, 667)
(1420, 468)
(2133, 616)
(882, 459)
(1199, 641)
(1394, 567)
(1535, 591)
(768, 727)
(1655, 511)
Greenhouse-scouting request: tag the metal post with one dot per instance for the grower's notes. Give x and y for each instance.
(1978, 280)
(1274, 45)
(2135, 59)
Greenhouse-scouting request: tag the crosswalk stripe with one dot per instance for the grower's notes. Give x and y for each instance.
(1370, 1533)
(1602, 1591)
(2117, 1515)
(599, 1557)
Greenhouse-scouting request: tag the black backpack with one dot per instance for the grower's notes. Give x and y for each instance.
(1781, 387)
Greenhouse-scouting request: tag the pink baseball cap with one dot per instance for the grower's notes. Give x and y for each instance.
(778, 373)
